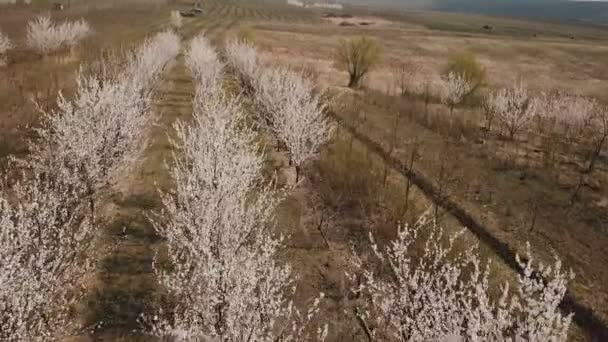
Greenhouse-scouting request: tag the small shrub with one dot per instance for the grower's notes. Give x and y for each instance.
(465, 65)
(357, 56)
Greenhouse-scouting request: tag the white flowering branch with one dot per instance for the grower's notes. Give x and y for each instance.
(44, 255)
(514, 107)
(295, 112)
(452, 89)
(444, 293)
(243, 57)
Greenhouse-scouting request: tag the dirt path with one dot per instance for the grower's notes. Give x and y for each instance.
(126, 283)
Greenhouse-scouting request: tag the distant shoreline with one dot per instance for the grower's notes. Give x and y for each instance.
(587, 12)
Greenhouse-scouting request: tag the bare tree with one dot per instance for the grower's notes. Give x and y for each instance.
(357, 56)
(599, 131)
(405, 77)
(444, 293)
(413, 157)
(598, 134)
(489, 110)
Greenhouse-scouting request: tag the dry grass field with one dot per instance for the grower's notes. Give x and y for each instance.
(506, 193)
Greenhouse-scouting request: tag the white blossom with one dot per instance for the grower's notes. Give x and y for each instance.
(295, 112)
(514, 107)
(44, 255)
(443, 293)
(5, 45)
(45, 36)
(205, 66)
(452, 89)
(290, 105)
(224, 277)
(574, 114)
(243, 57)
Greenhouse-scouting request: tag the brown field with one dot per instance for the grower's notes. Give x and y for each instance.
(509, 188)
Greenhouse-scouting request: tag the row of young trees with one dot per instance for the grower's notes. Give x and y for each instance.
(225, 281)
(290, 106)
(47, 220)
